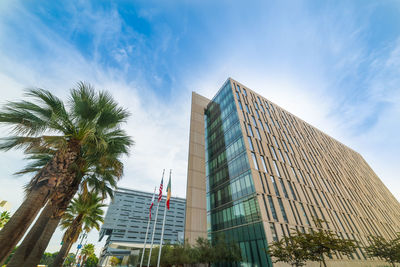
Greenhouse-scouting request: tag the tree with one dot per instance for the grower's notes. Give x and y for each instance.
(84, 213)
(84, 134)
(289, 250)
(205, 252)
(48, 258)
(70, 260)
(87, 251)
(100, 177)
(30, 121)
(323, 243)
(226, 251)
(216, 251)
(314, 246)
(4, 218)
(114, 261)
(389, 250)
(92, 261)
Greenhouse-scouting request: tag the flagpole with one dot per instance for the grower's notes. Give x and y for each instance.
(155, 223)
(147, 231)
(163, 224)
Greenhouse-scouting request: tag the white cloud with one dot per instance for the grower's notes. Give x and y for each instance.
(291, 65)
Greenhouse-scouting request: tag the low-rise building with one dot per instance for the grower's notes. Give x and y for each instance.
(126, 220)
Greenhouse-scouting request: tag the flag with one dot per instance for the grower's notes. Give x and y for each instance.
(152, 202)
(168, 192)
(161, 188)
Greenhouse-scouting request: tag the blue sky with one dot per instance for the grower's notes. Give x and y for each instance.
(335, 64)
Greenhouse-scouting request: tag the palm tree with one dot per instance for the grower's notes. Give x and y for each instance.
(87, 251)
(98, 178)
(75, 137)
(84, 213)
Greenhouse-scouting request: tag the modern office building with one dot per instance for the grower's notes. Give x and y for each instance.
(126, 221)
(256, 171)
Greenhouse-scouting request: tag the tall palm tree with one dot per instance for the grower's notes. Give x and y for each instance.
(84, 213)
(96, 178)
(75, 135)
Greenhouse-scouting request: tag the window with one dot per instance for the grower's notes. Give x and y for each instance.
(282, 210)
(254, 121)
(250, 143)
(276, 169)
(291, 189)
(256, 105)
(250, 130)
(268, 130)
(273, 153)
(258, 134)
(244, 92)
(304, 213)
(283, 188)
(247, 108)
(254, 160)
(266, 209)
(275, 141)
(273, 211)
(263, 163)
(240, 105)
(262, 182)
(238, 88)
(275, 186)
(262, 126)
(280, 153)
(273, 231)
(294, 214)
(295, 175)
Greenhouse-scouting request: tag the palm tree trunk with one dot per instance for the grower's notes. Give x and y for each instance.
(38, 250)
(62, 254)
(19, 223)
(42, 185)
(35, 243)
(30, 241)
(83, 260)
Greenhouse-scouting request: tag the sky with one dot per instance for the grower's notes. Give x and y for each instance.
(335, 64)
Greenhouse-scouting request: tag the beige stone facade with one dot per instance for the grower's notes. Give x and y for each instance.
(196, 213)
(299, 173)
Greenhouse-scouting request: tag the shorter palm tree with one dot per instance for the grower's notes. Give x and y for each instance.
(84, 213)
(87, 251)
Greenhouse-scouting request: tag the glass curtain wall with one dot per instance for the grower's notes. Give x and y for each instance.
(232, 207)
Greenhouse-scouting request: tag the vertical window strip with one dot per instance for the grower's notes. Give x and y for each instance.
(272, 207)
(250, 143)
(283, 188)
(266, 209)
(304, 213)
(273, 231)
(275, 186)
(254, 160)
(276, 169)
(282, 210)
(263, 163)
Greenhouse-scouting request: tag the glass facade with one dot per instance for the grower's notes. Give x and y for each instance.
(232, 206)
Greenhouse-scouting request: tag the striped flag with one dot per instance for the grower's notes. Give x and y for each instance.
(161, 188)
(168, 192)
(152, 202)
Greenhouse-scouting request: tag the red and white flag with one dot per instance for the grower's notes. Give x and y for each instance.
(161, 188)
(152, 202)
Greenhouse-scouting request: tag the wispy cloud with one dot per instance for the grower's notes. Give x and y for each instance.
(315, 60)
